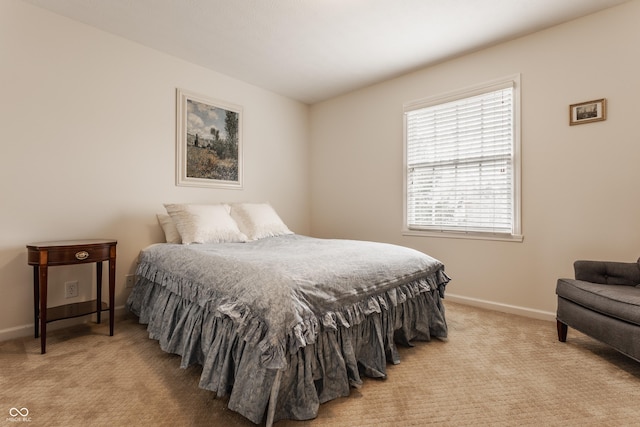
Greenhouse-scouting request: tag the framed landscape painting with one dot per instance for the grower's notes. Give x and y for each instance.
(208, 142)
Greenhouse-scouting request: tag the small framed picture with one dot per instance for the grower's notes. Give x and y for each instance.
(587, 112)
(208, 142)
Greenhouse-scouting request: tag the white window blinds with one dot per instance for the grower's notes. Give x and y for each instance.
(460, 163)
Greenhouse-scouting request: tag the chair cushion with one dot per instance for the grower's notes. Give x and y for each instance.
(619, 301)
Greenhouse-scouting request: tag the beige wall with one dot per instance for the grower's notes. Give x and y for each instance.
(579, 183)
(87, 148)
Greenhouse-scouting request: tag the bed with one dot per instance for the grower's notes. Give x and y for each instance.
(282, 322)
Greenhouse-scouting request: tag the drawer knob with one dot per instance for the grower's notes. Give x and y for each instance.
(82, 255)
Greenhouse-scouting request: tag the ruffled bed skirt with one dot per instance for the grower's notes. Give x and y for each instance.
(316, 373)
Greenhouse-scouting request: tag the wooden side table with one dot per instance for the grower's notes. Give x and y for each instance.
(68, 252)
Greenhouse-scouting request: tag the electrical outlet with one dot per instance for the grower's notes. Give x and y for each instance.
(130, 280)
(71, 289)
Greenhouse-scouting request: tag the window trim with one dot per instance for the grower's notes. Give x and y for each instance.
(477, 89)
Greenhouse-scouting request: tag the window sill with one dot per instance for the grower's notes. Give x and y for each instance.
(465, 235)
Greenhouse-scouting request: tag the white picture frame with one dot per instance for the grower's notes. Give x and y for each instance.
(208, 142)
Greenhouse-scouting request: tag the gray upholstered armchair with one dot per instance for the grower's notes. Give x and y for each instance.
(603, 301)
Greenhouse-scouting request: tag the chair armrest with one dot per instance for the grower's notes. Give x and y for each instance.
(608, 272)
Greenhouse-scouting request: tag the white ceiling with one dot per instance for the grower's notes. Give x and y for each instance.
(312, 50)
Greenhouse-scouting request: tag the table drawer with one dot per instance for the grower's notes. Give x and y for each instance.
(71, 255)
(78, 255)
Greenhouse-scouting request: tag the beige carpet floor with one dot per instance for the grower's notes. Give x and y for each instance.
(495, 369)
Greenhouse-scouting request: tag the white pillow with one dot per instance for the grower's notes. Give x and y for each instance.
(171, 234)
(258, 220)
(204, 223)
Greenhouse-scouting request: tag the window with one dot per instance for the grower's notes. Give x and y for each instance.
(462, 173)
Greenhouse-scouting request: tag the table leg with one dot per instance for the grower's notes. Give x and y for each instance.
(43, 308)
(36, 300)
(98, 289)
(112, 287)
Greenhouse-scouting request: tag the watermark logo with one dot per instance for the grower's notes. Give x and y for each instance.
(19, 415)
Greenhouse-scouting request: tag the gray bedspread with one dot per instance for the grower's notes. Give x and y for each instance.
(293, 303)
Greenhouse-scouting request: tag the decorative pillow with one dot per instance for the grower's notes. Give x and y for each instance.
(204, 223)
(171, 234)
(258, 220)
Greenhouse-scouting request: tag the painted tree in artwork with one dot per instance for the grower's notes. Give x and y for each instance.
(215, 133)
(231, 126)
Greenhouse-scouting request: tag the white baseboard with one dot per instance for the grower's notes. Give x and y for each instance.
(505, 308)
(26, 330)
